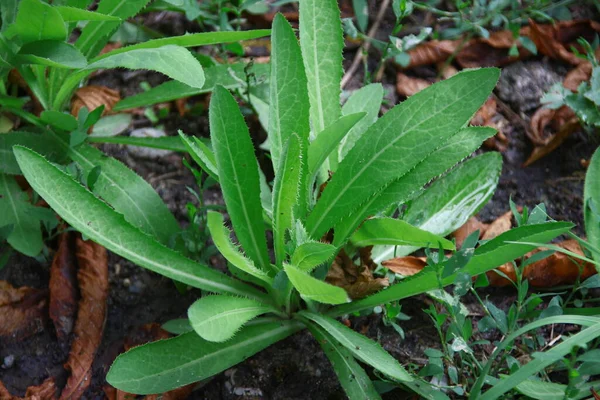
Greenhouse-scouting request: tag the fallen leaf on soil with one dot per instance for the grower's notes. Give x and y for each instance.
(473, 224)
(23, 311)
(63, 287)
(357, 280)
(581, 73)
(490, 52)
(407, 266)
(92, 277)
(432, 52)
(45, 391)
(92, 97)
(487, 116)
(500, 225)
(142, 335)
(407, 86)
(559, 268)
(566, 129)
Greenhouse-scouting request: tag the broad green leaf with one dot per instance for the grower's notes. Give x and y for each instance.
(172, 143)
(361, 10)
(200, 152)
(178, 326)
(450, 153)
(218, 318)
(96, 33)
(328, 140)
(314, 289)
(367, 99)
(491, 255)
(238, 174)
(41, 143)
(398, 142)
(173, 61)
(221, 237)
(286, 194)
(352, 376)
(74, 14)
(8, 13)
(167, 364)
(127, 193)
(99, 222)
(397, 232)
(322, 43)
(309, 255)
(230, 76)
(449, 201)
(288, 100)
(37, 20)
(52, 53)
(361, 347)
(60, 120)
(16, 210)
(192, 40)
(112, 125)
(591, 203)
(542, 390)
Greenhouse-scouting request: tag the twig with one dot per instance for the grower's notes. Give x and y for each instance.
(364, 48)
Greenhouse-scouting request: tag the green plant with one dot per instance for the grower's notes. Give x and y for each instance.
(52, 69)
(586, 101)
(388, 162)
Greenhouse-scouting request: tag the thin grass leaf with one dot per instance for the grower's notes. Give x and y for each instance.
(172, 143)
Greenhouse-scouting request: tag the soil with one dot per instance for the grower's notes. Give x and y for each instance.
(295, 368)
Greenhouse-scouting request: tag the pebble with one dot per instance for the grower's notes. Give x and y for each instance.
(8, 362)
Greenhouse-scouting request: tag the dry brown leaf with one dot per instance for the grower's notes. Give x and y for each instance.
(407, 266)
(407, 86)
(556, 40)
(581, 73)
(490, 52)
(23, 311)
(595, 394)
(502, 224)
(498, 280)
(92, 97)
(557, 269)
(146, 334)
(566, 129)
(432, 52)
(357, 280)
(473, 224)
(92, 277)
(63, 287)
(45, 391)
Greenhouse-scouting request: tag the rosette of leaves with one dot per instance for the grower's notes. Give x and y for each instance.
(378, 163)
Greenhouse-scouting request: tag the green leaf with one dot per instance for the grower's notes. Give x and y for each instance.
(52, 53)
(37, 20)
(60, 120)
(173, 61)
(167, 364)
(591, 203)
(288, 100)
(96, 34)
(230, 76)
(314, 289)
(96, 220)
(361, 347)
(328, 140)
(74, 14)
(309, 255)
(16, 210)
(396, 232)
(322, 43)
(218, 318)
(8, 13)
(238, 174)
(192, 40)
(41, 143)
(200, 152)
(451, 152)
(367, 99)
(178, 326)
(449, 201)
(361, 10)
(398, 142)
(491, 255)
(127, 193)
(172, 143)
(286, 194)
(221, 237)
(542, 390)
(353, 378)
